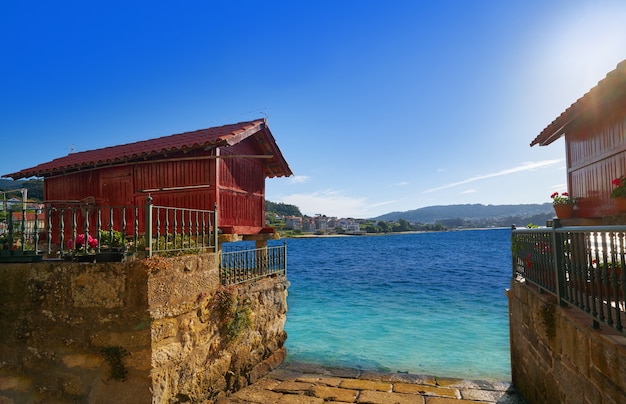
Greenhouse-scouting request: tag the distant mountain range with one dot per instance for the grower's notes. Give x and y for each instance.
(476, 215)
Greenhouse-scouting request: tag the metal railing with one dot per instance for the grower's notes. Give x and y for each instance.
(580, 265)
(67, 228)
(180, 229)
(245, 265)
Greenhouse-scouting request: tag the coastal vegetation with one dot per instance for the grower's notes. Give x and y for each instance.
(431, 218)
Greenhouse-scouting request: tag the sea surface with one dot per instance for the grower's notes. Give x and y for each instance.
(424, 303)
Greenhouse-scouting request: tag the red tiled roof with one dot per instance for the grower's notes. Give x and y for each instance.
(218, 136)
(17, 216)
(609, 90)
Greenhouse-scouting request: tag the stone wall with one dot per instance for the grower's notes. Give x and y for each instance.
(209, 340)
(58, 319)
(160, 330)
(557, 357)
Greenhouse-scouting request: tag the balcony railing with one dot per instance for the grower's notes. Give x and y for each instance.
(66, 228)
(238, 266)
(581, 266)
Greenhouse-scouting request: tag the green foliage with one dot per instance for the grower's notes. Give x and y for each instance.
(282, 209)
(369, 226)
(34, 186)
(241, 319)
(383, 226)
(548, 317)
(175, 245)
(402, 225)
(235, 315)
(113, 355)
(290, 233)
(272, 220)
(105, 238)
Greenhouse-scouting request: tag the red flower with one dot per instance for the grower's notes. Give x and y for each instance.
(529, 262)
(554, 195)
(80, 240)
(617, 182)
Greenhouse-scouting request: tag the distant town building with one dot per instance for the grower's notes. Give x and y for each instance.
(308, 225)
(321, 223)
(293, 222)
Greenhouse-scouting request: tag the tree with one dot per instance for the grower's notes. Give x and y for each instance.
(282, 209)
(383, 226)
(402, 225)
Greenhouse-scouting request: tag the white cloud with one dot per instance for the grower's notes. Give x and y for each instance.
(469, 191)
(528, 166)
(299, 179)
(333, 203)
(401, 184)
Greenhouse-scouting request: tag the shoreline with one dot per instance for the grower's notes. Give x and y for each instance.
(304, 363)
(313, 235)
(294, 381)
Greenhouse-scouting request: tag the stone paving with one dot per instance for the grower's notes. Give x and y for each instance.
(309, 384)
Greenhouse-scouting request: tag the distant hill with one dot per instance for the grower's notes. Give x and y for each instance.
(475, 215)
(282, 209)
(34, 186)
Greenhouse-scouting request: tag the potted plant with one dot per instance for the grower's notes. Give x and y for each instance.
(563, 205)
(82, 251)
(619, 193)
(111, 246)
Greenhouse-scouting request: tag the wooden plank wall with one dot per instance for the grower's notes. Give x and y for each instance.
(596, 155)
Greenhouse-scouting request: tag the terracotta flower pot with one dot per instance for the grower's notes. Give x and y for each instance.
(564, 211)
(620, 204)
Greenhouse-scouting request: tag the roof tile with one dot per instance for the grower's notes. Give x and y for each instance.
(202, 138)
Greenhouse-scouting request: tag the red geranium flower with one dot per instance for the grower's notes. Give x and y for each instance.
(620, 187)
(80, 241)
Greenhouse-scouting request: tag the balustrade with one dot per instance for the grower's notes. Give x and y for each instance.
(580, 265)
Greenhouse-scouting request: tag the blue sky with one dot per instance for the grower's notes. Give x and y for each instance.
(378, 106)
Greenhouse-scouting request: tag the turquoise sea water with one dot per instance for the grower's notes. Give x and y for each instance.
(426, 303)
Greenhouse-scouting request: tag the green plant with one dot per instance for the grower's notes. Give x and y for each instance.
(548, 318)
(113, 355)
(241, 320)
(562, 199)
(111, 238)
(235, 315)
(225, 300)
(620, 187)
(174, 245)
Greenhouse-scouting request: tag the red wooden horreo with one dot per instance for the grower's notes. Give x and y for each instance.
(221, 167)
(594, 128)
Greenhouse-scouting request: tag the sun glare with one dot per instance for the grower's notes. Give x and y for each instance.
(589, 43)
